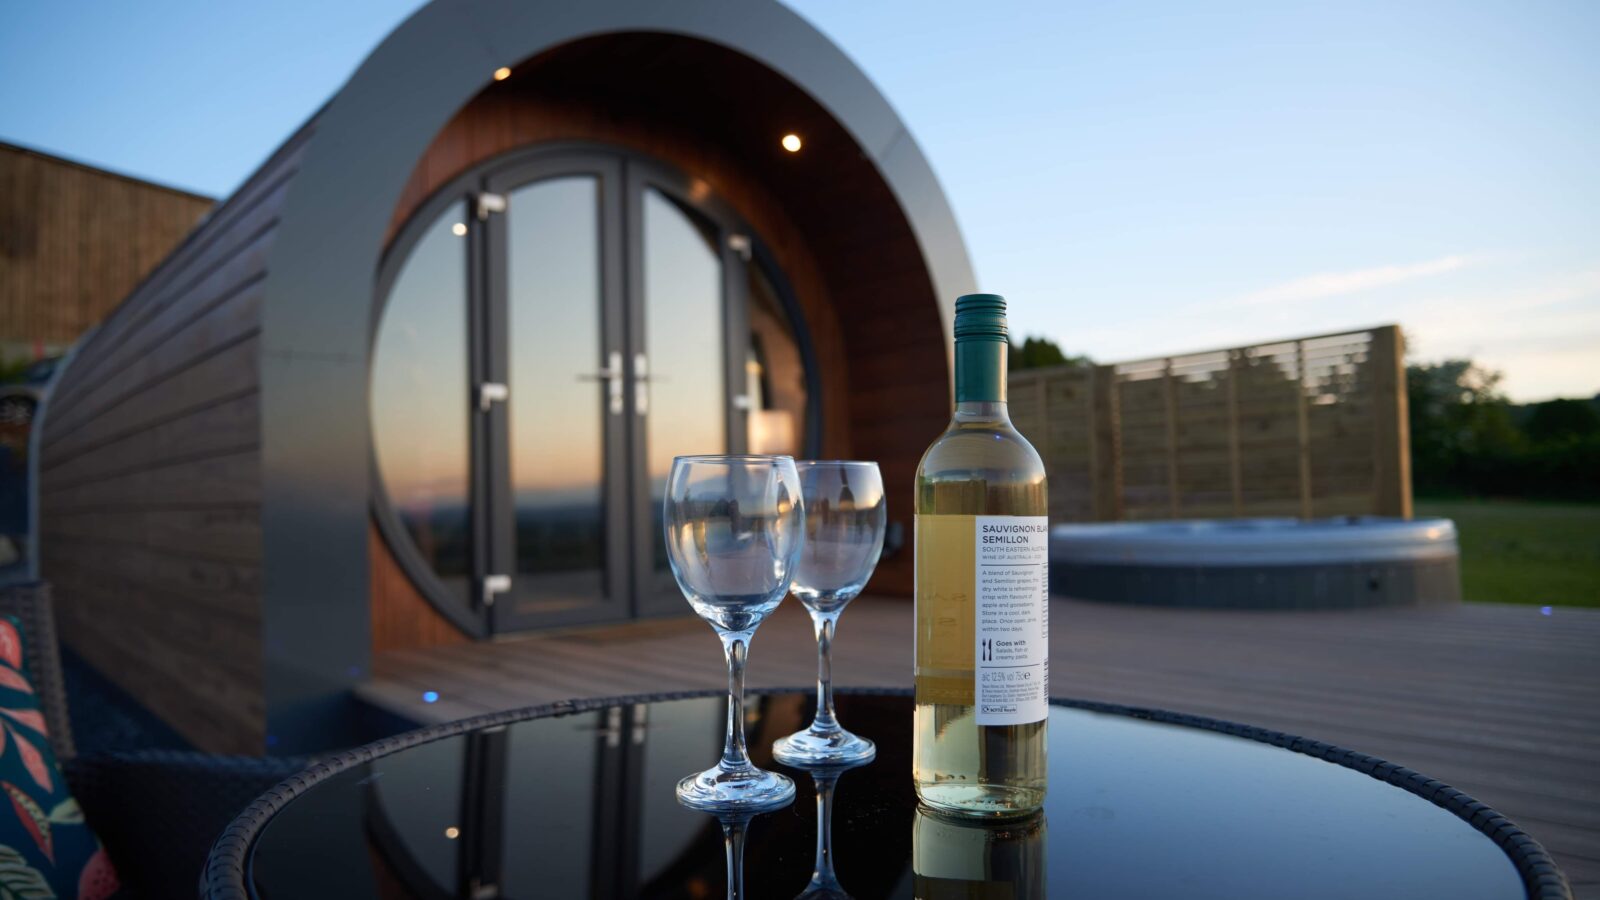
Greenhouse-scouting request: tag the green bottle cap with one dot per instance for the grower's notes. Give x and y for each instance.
(980, 317)
(981, 347)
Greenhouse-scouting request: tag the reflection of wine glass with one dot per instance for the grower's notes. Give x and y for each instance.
(734, 528)
(824, 883)
(735, 824)
(845, 517)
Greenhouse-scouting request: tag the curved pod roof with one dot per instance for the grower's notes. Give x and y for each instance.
(331, 231)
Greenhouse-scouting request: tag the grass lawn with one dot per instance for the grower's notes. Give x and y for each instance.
(1515, 551)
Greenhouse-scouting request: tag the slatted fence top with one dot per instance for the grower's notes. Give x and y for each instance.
(1305, 427)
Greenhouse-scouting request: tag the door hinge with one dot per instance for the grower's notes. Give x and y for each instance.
(489, 203)
(740, 244)
(490, 393)
(493, 586)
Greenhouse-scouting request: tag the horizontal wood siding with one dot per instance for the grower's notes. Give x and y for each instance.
(74, 240)
(150, 479)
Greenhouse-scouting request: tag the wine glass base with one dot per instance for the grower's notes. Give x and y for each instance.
(823, 748)
(735, 790)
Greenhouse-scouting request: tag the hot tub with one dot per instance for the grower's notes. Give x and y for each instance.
(1259, 563)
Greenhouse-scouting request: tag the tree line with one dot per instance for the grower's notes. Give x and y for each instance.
(1468, 439)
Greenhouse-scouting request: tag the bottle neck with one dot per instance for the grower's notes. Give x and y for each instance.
(970, 412)
(981, 379)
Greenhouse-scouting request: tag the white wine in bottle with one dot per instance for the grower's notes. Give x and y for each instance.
(982, 548)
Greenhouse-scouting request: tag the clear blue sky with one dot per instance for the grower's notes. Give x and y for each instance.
(1138, 178)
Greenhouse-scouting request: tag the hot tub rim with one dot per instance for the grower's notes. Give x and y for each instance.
(1206, 543)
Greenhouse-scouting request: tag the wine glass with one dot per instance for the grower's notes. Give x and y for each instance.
(734, 528)
(845, 517)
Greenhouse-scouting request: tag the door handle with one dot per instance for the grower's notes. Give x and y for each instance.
(612, 376)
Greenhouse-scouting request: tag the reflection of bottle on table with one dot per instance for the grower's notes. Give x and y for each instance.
(975, 859)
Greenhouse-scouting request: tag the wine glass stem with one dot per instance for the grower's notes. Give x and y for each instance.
(736, 647)
(824, 623)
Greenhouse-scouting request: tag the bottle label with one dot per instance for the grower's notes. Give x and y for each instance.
(1012, 612)
(982, 618)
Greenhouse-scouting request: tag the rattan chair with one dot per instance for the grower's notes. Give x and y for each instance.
(30, 605)
(156, 811)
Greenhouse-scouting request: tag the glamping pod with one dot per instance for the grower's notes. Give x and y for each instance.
(420, 378)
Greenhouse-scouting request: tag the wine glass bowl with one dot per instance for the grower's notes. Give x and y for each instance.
(844, 532)
(734, 529)
(846, 514)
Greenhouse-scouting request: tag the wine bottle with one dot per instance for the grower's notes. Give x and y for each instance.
(962, 858)
(982, 547)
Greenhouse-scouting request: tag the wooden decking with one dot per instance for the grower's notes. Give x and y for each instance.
(1502, 702)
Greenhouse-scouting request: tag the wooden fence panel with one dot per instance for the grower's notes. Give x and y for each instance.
(1309, 427)
(1054, 408)
(75, 240)
(1202, 460)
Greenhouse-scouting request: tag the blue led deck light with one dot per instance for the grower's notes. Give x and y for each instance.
(430, 696)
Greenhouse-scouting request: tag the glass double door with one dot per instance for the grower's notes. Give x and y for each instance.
(614, 337)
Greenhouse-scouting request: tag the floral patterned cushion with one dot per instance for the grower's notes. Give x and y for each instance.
(45, 848)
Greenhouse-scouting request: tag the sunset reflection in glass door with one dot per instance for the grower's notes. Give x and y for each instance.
(598, 314)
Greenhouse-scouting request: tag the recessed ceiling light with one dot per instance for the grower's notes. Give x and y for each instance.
(452, 832)
(459, 229)
(791, 143)
(502, 73)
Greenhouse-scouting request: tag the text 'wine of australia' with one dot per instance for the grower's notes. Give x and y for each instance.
(982, 547)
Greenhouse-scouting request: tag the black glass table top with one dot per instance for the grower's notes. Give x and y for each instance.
(582, 805)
